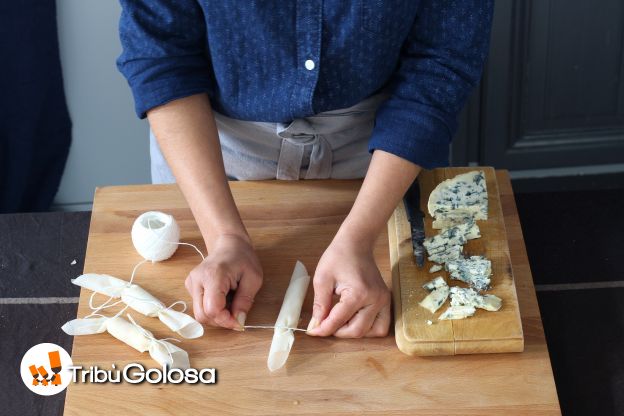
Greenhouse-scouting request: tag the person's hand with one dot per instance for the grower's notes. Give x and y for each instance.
(349, 271)
(231, 264)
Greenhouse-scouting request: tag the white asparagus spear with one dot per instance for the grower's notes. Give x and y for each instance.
(288, 317)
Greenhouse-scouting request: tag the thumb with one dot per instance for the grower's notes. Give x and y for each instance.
(323, 294)
(244, 297)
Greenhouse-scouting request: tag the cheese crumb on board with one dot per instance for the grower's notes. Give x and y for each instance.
(439, 292)
(475, 270)
(469, 297)
(457, 312)
(435, 284)
(435, 268)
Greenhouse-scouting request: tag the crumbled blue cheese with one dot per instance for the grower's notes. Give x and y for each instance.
(450, 237)
(439, 292)
(457, 312)
(448, 254)
(434, 284)
(448, 244)
(451, 219)
(435, 268)
(471, 230)
(459, 199)
(475, 271)
(457, 234)
(469, 297)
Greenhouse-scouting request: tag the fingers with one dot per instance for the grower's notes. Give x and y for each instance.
(209, 299)
(197, 294)
(244, 297)
(216, 288)
(357, 316)
(230, 265)
(381, 324)
(360, 324)
(323, 295)
(348, 305)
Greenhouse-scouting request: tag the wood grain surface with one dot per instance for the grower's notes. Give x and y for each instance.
(290, 221)
(485, 332)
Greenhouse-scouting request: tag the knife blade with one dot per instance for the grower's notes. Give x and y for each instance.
(417, 221)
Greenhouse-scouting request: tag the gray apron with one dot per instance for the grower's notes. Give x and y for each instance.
(333, 144)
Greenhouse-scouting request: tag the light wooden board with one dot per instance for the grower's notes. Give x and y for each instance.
(485, 332)
(290, 221)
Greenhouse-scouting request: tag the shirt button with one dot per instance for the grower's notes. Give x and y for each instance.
(309, 64)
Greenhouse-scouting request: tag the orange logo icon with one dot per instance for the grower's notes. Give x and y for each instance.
(45, 369)
(55, 366)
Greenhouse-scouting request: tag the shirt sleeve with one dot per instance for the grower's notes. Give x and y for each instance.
(164, 53)
(440, 63)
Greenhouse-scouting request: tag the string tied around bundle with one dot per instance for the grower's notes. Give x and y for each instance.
(147, 334)
(285, 328)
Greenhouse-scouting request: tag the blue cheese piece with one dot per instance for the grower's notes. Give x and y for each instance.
(434, 284)
(490, 303)
(451, 219)
(435, 268)
(475, 271)
(435, 299)
(447, 254)
(448, 244)
(456, 200)
(439, 292)
(469, 297)
(457, 312)
(455, 235)
(450, 237)
(471, 230)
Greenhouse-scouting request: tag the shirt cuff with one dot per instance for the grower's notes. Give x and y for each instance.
(413, 132)
(155, 82)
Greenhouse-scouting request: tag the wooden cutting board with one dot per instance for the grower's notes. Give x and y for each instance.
(485, 332)
(323, 376)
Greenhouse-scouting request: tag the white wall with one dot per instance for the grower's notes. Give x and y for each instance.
(110, 145)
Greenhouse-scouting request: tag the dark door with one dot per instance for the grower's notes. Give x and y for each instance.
(552, 93)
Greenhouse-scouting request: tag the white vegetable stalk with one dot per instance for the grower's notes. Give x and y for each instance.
(288, 318)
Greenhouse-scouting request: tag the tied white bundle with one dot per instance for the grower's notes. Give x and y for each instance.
(287, 320)
(140, 300)
(131, 333)
(155, 235)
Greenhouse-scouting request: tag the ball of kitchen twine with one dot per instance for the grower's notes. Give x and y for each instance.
(155, 235)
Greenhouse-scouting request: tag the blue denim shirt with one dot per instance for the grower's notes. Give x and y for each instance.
(277, 60)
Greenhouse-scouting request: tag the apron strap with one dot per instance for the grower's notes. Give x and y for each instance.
(295, 137)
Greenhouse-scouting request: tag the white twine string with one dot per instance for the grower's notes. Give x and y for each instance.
(159, 239)
(179, 302)
(134, 270)
(105, 304)
(151, 337)
(273, 327)
(95, 313)
(160, 304)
